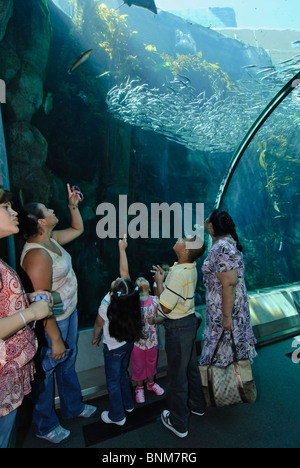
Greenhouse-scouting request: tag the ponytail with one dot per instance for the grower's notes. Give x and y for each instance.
(124, 312)
(29, 216)
(236, 238)
(223, 225)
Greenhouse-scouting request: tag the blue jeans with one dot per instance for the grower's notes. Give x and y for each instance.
(185, 389)
(6, 426)
(44, 415)
(117, 381)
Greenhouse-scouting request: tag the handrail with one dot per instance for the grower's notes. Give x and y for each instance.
(273, 104)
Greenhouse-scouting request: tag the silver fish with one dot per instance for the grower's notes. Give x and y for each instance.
(211, 124)
(48, 103)
(80, 60)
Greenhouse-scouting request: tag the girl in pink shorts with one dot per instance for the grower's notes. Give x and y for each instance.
(145, 352)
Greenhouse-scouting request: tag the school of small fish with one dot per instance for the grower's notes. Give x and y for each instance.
(216, 123)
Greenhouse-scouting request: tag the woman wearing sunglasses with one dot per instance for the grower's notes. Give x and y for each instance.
(49, 267)
(18, 343)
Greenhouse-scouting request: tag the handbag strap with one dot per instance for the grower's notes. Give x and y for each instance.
(234, 351)
(236, 369)
(239, 382)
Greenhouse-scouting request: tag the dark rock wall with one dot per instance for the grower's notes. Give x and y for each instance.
(24, 51)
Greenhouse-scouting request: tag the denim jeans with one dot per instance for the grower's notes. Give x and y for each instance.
(117, 380)
(6, 426)
(185, 390)
(44, 416)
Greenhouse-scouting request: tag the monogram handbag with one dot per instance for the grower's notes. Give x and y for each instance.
(230, 385)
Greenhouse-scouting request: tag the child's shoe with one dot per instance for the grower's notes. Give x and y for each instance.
(154, 387)
(140, 395)
(105, 418)
(87, 411)
(56, 436)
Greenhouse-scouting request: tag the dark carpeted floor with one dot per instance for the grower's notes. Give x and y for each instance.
(272, 422)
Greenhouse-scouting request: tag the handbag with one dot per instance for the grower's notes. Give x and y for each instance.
(231, 385)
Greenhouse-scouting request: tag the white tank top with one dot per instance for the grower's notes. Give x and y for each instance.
(63, 277)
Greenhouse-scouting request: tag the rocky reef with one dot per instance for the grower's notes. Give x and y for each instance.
(24, 52)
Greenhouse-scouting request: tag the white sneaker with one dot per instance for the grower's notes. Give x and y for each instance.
(105, 418)
(88, 411)
(56, 436)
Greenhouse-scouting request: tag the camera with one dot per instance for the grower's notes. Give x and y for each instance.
(40, 296)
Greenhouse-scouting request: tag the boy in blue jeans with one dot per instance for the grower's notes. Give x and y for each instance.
(177, 307)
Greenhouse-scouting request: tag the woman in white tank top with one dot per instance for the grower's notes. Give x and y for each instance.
(47, 263)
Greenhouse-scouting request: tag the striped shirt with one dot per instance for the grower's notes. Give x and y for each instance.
(179, 291)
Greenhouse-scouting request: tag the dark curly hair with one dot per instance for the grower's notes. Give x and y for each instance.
(28, 218)
(124, 312)
(223, 224)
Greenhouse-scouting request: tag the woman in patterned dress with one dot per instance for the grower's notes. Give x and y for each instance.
(18, 343)
(227, 306)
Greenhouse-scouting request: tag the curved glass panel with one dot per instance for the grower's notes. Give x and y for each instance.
(263, 198)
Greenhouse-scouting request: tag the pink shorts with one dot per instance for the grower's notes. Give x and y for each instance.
(143, 363)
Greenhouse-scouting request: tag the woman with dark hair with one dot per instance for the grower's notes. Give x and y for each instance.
(18, 343)
(49, 266)
(227, 305)
(119, 316)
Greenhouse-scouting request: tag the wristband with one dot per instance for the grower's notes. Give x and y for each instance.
(23, 320)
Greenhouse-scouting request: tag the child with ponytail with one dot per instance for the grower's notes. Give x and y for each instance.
(120, 318)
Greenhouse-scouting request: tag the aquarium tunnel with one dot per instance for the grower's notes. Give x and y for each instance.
(182, 107)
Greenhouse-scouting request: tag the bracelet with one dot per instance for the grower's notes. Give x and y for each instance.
(23, 320)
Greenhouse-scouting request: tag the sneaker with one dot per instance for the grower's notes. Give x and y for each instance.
(197, 413)
(165, 417)
(154, 387)
(105, 418)
(129, 410)
(140, 395)
(87, 411)
(56, 436)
